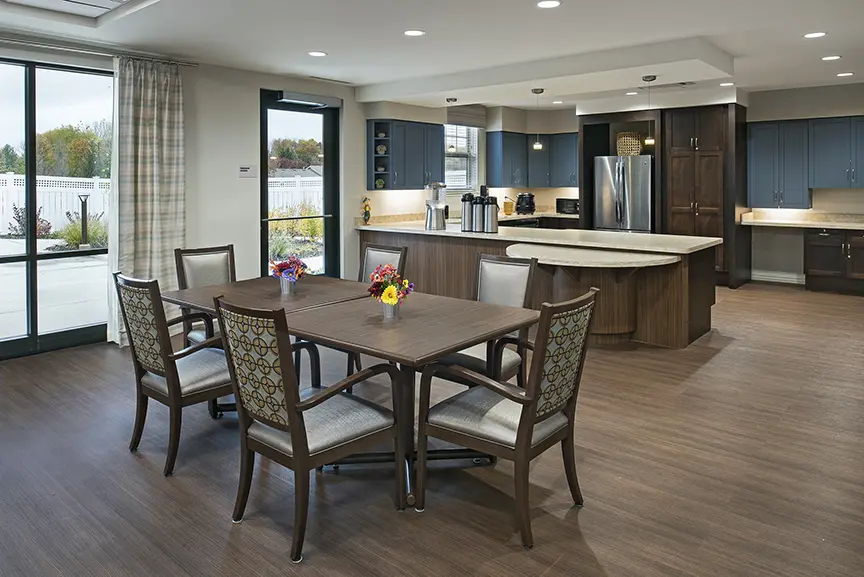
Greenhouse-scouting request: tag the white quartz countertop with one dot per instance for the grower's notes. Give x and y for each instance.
(808, 220)
(589, 258)
(622, 241)
(514, 216)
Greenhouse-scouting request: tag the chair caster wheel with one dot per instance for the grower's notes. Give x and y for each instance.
(416, 510)
(236, 522)
(298, 560)
(477, 460)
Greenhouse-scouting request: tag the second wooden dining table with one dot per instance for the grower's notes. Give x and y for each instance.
(337, 313)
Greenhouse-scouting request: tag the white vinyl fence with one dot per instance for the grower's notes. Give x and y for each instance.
(57, 195)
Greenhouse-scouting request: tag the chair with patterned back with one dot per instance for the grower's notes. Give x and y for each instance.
(301, 430)
(500, 280)
(374, 255)
(193, 375)
(514, 423)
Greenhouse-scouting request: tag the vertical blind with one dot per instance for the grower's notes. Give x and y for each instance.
(460, 157)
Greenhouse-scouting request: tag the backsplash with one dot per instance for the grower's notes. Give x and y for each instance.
(839, 200)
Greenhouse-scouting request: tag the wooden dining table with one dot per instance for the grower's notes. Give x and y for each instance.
(335, 313)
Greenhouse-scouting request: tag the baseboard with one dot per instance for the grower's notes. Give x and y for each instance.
(777, 277)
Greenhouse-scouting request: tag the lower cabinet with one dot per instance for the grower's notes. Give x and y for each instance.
(834, 260)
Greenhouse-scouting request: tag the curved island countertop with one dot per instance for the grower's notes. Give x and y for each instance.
(636, 242)
(588, 258)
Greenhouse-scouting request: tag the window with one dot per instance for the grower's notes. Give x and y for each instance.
(461, 157)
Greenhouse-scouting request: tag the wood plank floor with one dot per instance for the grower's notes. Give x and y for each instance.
(741, 455)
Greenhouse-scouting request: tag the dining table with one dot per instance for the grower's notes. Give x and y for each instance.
(338, 314)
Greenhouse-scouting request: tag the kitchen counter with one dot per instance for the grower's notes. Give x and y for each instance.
(647, 243)
(790, 218)
(588, 258)
(514, 216)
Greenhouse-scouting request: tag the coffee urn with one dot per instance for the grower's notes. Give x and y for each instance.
(490, 214)
(478, 206)
(467, 212)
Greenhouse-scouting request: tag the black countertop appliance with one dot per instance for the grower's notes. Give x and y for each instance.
(525, 203)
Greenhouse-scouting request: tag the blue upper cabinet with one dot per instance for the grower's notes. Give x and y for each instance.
(506, 160)
(831, 153)
(793, 165)
(434, 153)
(858, 152)
(777, 165)
(763, 150)
(403, 155)
(539, 175)
(565, 164)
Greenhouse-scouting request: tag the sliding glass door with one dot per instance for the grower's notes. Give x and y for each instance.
(55, 162)
(299, 184)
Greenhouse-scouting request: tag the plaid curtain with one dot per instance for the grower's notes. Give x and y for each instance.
(148, 208)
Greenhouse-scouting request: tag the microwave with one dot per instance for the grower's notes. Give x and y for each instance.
(567, 205)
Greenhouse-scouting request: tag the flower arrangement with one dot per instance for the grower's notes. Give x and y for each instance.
(292, 269)
(388, 287)
(366, 213)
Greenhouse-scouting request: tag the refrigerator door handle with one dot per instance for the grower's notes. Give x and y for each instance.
(619, 208)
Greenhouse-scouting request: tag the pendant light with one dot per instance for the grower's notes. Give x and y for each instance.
(538, 91)
(649, 140)
(452, 147)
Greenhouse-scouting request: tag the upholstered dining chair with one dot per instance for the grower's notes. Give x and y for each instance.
(299, 430)
(514, 423)
(374, 255)
(196, 374)
(197, 267)
(500, 280)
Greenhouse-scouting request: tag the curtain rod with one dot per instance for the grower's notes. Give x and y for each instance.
(91, 52)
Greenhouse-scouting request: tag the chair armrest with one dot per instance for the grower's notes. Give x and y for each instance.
(505, 390)
(188, 318)
(333, 390)
(211, 343)
(503, 342)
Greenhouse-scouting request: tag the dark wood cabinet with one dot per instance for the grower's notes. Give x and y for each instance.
(708, 198)
(855, 255)
(682, 185)
(681, 129)
(834, 260)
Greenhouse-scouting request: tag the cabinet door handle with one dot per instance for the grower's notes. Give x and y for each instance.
(776, 200)
(847, 174)
(697, 143)
(691, 207)
(697, 208)
(853, 175)
(691, 142)
(781, 197)
(824, 234)
(848, 251)
(395, 176)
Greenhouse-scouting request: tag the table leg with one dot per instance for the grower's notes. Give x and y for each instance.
(404, 405)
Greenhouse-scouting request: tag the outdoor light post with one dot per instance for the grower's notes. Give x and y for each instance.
(84, 240)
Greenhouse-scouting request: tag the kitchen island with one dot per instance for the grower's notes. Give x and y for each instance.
(655, 289)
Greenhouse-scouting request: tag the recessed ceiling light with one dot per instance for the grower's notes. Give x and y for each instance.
(814, 35)
(549, 4)
(727, 84)
(557, 102)
(846, 74)
(632, 93)
(830, 58)
(317, 53)
(414, 33)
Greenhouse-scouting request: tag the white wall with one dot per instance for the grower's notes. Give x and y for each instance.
(821, 101)
(407, 112)
(552, 121)
(223, 132)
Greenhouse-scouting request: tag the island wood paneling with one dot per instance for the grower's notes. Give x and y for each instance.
(667, 306)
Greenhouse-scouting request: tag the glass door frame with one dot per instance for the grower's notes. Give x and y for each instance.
(33, 342)
(331, 213)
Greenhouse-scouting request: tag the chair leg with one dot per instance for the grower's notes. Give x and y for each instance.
(301, 512)
(173, 439)
(140, 417)
(247, 465)
(422, 460)
(568, 450)
(520, 376)
(523, 507)
(401, 480)
(351, 364)
(358, 363)
(298, 360)
(213, 409)
(315, 366)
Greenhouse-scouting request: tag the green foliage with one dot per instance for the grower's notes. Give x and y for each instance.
(82, 151)
(18, 226)
(303, 238)
(290, 153)
(10, 160)
(97, 231)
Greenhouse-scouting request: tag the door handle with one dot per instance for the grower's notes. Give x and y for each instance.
(824, 234)
(697, 208)
(776, 200)
(697, 143)
(848, 251)
(395, 176)
(847, 172)
(853, 175)
(781, 197)
(691, 142)
(691, 207)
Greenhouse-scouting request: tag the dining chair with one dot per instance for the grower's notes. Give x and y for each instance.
(374, 255)
(197, 267)
(193, 375)
(510, 422)
(500, 280)
(300, 430)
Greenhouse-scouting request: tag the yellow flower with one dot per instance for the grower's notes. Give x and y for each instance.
(390, 296)
(405, 283)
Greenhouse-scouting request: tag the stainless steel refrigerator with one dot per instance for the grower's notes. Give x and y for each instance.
(622, 193)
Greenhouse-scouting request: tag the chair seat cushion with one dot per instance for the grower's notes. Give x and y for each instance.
(486, 415)
(474, 358)
(197, 336)
(334, 422)
(201, 371)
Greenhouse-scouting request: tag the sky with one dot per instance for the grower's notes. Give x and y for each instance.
(62, 98)
(296, 125)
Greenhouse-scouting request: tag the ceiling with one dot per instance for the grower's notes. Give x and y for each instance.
(488, 51)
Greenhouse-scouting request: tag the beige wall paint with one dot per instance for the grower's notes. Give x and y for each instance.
(838, 201)
(821, 101)
(405, 112)
(552, 121)
(222, 132)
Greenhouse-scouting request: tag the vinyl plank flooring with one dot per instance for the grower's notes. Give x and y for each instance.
(740, 455)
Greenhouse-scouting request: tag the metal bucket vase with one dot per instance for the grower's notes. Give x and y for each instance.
(287, 287)
(390, 311)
